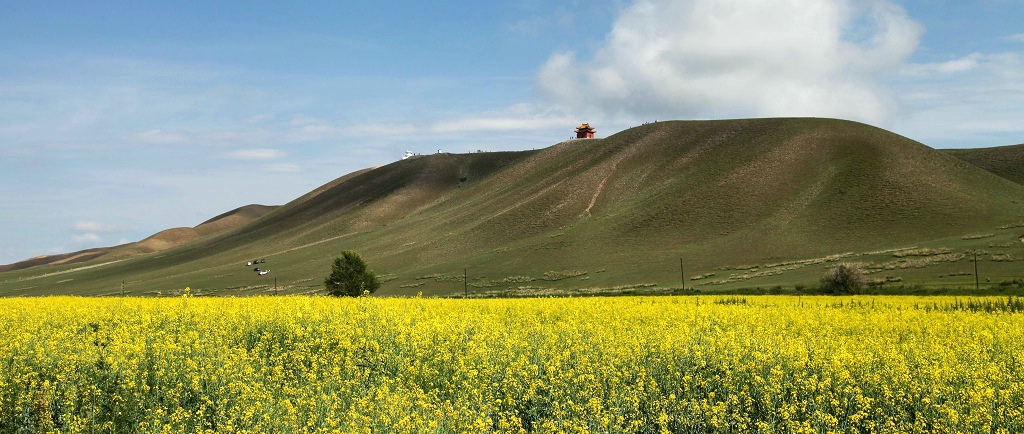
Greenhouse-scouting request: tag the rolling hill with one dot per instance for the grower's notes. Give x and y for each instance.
(751, 202)
(162, 240)
(1005, 161)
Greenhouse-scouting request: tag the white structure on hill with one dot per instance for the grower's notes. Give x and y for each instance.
(407, 154)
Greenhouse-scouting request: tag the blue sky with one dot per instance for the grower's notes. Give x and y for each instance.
(119, 120)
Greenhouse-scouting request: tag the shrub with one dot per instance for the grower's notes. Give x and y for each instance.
(350, 276)
(846, 277)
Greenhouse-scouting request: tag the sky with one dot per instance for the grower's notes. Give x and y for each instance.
(121, 119)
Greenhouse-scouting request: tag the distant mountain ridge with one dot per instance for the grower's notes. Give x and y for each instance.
(162, 240)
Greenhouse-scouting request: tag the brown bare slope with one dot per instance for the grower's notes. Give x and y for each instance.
(175, 237)
(64, 258)
(233, 219)
(159, 241)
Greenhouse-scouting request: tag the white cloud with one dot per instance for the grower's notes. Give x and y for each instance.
(161, 137)
(527, 27)
(282, 168)
(309, 129)
(86, 238)
(963, 64)
(88, 232)
(259, 119)
(980, 108)
(520, 117)
(727, 58)
(255, 154)
(373, 129)
(1018, 37)
(96, 227)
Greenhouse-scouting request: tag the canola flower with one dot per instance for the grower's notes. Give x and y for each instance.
(612, 365)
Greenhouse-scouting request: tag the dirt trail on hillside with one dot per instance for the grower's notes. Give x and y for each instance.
(57, 273)
(622, 156)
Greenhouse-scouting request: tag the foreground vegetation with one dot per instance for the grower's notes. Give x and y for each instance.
(626, 364)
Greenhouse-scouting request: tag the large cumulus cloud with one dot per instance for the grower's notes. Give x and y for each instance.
(738, 58)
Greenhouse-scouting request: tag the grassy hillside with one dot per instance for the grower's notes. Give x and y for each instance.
(1005, 161)
(758, 202)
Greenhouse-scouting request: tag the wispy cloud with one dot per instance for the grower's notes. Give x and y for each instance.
(981, 106)
(381, 129)
(528, 27)
(161, 137)
(88, 233)
(255, 154)
(282, 168)
(475, 124)
(307, 129)
(92, 226)
(963, 64)
(1017, 37)
(523, 117)
(86, 238)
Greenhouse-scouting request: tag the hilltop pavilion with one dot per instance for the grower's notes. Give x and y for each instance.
(585, 131)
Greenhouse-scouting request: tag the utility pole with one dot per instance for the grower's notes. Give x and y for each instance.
(275, 286)
(465, 282)
(682, 276)
(976, 270)
(122, 289)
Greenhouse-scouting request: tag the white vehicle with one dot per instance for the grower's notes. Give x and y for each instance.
(262, 272)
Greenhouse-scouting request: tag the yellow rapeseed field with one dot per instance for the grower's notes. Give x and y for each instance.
(616, 365)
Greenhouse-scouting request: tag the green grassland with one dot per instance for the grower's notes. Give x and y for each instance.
(754, 203)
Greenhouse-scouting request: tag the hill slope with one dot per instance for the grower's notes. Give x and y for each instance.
(597, 213)
(175, 237)
(1005, 161)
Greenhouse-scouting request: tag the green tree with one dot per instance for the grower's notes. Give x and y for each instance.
(350, 276)
(846, 277)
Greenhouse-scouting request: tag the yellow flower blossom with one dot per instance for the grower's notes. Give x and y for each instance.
(627, 364)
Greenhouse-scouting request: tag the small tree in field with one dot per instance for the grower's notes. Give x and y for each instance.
(845, 277)
(350, 276)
